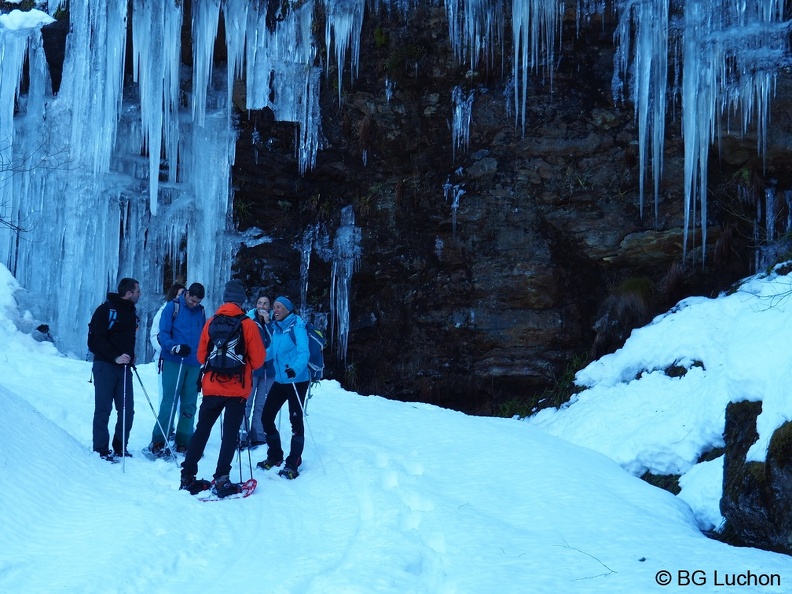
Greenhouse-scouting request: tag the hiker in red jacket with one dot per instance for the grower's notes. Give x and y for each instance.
(223, 392)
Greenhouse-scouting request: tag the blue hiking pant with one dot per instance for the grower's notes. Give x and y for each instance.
(179, 393)
(112, 386)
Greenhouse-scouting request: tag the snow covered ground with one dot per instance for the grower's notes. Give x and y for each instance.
(402, 497)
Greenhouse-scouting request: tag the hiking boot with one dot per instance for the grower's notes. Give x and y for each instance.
(118, 454)
(224, 487)
(289, 472)
(160, 451)
(109, 456)
(269, 463)
(182, 449)
(193, 486)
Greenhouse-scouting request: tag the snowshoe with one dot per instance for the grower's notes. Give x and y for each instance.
(245, 490)
(157, 452)
(193, 485)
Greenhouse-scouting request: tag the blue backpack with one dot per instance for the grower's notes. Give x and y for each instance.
(316, 344)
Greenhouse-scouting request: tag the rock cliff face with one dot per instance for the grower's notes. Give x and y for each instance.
(757, 496)
(488, 267)
(467, 308)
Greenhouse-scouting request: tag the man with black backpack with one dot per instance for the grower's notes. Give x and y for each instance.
(111, 338)
(230, 349)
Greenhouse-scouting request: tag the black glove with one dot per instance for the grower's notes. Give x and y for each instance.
(181, 349)
(290, 372)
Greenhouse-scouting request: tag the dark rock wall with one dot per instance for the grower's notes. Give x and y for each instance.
(472, 312)
(757, 496)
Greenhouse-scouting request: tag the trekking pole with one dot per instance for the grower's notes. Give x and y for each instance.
(296, 393)
(151, 406)
(250, 459)
(239, 453)
(307, 398)
(171, 420)
(123, 425)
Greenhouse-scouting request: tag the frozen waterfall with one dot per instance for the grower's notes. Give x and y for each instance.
(110, 180)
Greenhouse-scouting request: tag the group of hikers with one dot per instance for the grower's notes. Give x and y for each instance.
(247, 365)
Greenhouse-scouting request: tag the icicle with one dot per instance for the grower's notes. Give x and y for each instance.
(475, 28)
(235, 15)
(346, 259)
(730, 53)
(455, 192)
(156, 36)
(281, 75)
(204, 32)
(306, 246)
(535, 24)
(770, 214)
(460, 126)
(13, 48)
(788, 200)
(98, 35)
(343, 22)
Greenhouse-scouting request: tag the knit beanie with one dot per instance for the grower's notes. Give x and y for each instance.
(286, 303)
(234, 292)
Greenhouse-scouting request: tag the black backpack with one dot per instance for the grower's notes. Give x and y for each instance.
(226, 348)
(112, 316)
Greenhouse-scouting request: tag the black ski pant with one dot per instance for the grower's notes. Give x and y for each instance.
(278, 395)
(112, 386)
(210, 410)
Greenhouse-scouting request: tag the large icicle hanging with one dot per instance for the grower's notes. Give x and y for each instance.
(344, 20)
(71, 209)
(475, 28)
(24, 149)
(306, 247)
(460, 121)
(730, 54)
(156, 34)
(346, 259)
(281, 74)
(13, 49)
(99, 209)
(535, 24)
(649, 19)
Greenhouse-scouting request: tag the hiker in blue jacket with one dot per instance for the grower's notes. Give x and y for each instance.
(179, 336)
(263, 377)
(289, 355)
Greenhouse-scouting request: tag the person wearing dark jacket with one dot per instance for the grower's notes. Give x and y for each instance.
(223, 393)
(112, 341)
(181, 324)
(289, 354)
